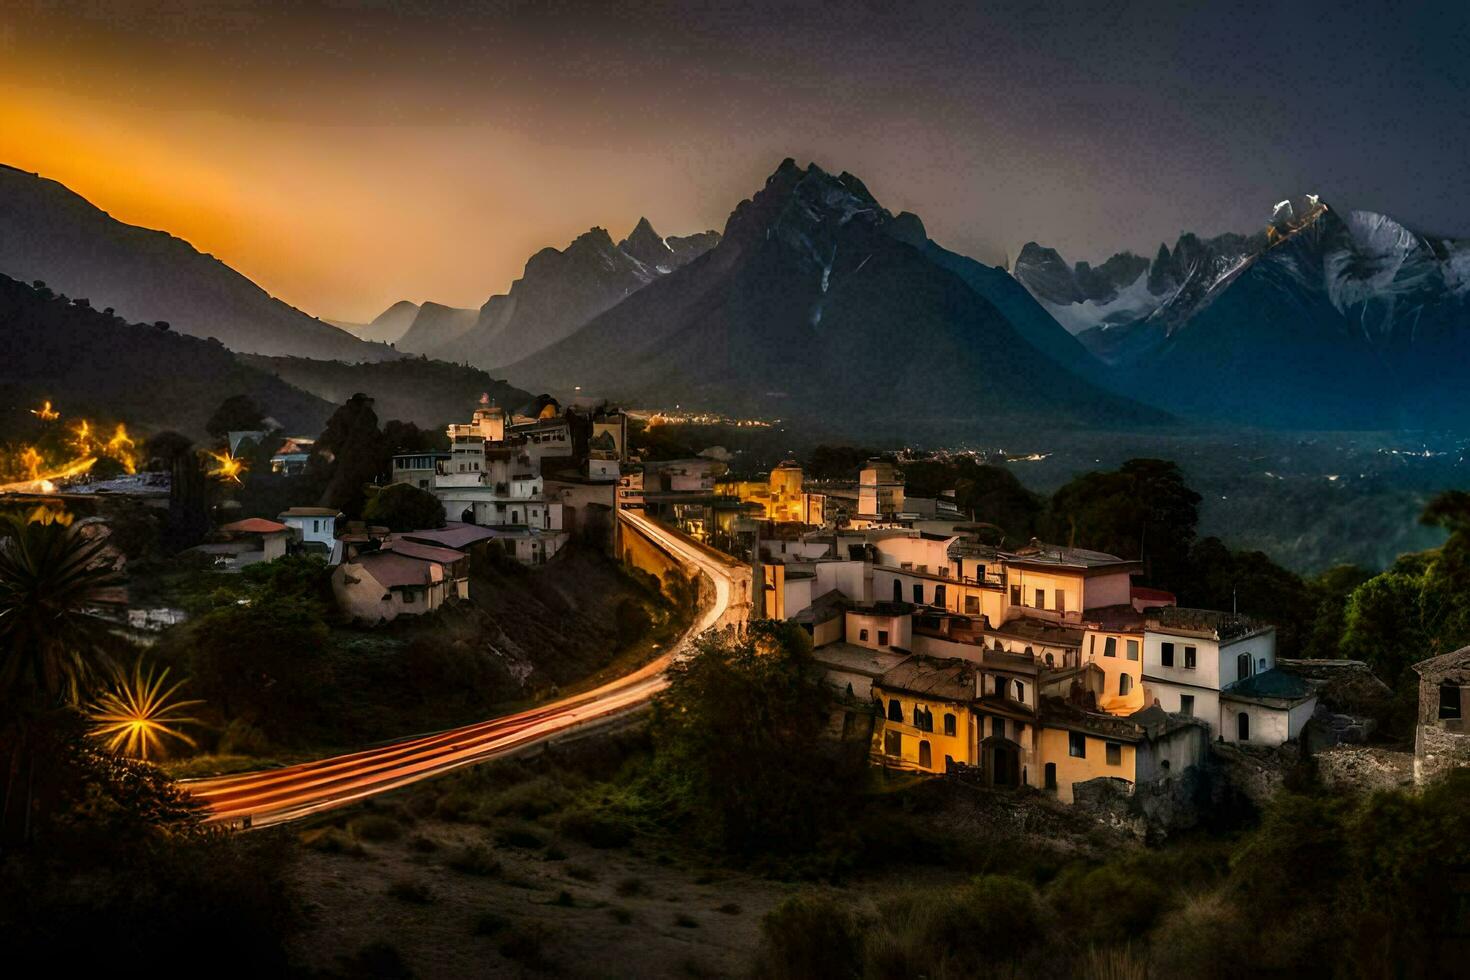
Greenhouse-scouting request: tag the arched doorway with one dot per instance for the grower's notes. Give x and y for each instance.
(1002, 762)
(926, 755)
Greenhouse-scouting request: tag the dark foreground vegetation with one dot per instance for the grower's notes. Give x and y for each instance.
(883, 876)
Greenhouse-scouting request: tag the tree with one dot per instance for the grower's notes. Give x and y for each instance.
(400, 507)
(993, 495)
(1142, 511)
(237, 413)
(836, 462)
(162, 448)
(739, 736)
(263, 663)
(351, 456)
(53, 646)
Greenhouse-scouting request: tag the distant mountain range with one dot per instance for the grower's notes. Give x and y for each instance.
(51, 234)
(560, 290)
(1324, 319)
(818, 303)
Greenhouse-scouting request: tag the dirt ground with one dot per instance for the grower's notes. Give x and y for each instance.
(564, 909)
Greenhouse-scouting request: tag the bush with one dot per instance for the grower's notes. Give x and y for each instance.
(599, 828)
(242, 738)
(332, 840)
(1109, 904)
(961, 931)
(524, 943)
(375, 827)
(811, 935)
(474, 859)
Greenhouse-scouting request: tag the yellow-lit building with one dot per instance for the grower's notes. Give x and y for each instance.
(1074, 746)
(779, 496)
(1112, 641)
(924, 720)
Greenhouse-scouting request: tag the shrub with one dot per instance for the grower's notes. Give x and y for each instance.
(811, 935)
(520, 837)
(378, 959)
(242, 738)
(1108, 904)
(332, 840)
(686, 921)
(489, 923)
(629, 887)
(524, 943)
(474, 859)
(375, 827)
(599, 828)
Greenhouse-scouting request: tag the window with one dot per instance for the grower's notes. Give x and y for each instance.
(1243, 727)
(1449, 701)
(897, 591)
(1077, 745)
(972, 605)
(1186, 705)
(1115, 754)
(863, 635)
(893, 744)
(1020, 692)
(918, 717)
(1125, 684)
(1166, 654)
(882, 638)
(895, 710)
(316, 526)
(939, 595)
(1132, 649)
(1000, 687)
(949, 724)
(1040, 598)
(998, 727)
(1015, 595)
(1051, 775)
(1189, 658)
(1242, 666)
(1110, 646)
(1061, 601)
(1092, 645)
(919, 593)
(926, 758)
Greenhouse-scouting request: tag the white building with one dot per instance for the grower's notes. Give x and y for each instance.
(1194, 658)
(316, 529)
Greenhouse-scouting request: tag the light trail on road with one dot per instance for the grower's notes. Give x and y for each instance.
(272, 796)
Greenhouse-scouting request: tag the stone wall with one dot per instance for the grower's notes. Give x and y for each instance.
(1437, 750)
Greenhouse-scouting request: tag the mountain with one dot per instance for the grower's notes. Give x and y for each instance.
(1127, 287)
(436, 331)
(1327, 319)
(387, 327)
(51, 234)
(412, 389)
(818, 303)
(561, 289)
(95, 364)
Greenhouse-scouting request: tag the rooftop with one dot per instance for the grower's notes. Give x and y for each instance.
(454, 534)
(1221, 625)
(254, 525)
(949, 680)
(1453, 666)
(310, 512)
(395, 571)
(857, 660)
(1038, 553)
(1269, 685)
(425, 552)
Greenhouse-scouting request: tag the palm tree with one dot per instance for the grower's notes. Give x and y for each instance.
(54, 584)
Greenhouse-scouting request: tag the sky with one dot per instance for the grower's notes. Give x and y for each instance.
(348, 155)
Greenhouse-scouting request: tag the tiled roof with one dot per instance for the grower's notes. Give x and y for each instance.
(453, 534)
(254, 525)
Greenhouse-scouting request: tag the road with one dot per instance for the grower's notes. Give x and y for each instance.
(272, 796)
